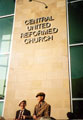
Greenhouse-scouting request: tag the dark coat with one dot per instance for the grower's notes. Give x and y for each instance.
(26, 112)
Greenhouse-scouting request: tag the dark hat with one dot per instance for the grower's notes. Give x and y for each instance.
(40, 94)
(24, 101)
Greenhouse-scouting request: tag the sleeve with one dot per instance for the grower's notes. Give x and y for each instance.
(29, 113)
(34, 113)
(47, 111)
(16, 117)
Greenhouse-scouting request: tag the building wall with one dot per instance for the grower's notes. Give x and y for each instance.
(39, 66)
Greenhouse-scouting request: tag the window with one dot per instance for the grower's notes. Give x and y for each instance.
(75, 45)
(1, 107)
(6, 25)
(6, 7)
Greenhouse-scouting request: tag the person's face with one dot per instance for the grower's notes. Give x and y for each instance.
(22, 105)
(40, 98)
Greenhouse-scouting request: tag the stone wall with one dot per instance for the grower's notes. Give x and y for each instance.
(39, 57)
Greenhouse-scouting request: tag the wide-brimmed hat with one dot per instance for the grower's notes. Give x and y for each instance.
(24, 101)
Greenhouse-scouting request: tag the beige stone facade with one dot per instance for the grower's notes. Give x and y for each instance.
(40, 64)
